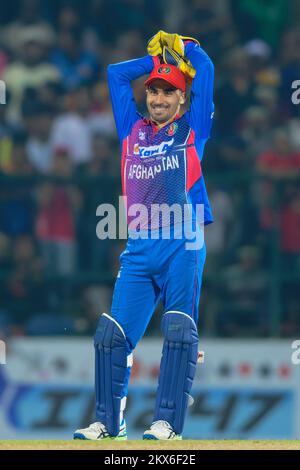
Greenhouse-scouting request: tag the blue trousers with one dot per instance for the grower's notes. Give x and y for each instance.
(152, 270)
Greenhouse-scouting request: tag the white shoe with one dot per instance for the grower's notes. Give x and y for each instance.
(161, 430)
(97, 431)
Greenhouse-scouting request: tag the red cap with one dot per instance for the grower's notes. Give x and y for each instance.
(168, 73)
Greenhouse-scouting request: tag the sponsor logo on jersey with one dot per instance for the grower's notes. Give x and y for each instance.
(146, 152)
(172, 129)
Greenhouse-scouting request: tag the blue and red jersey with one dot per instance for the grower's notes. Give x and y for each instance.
(163, 166)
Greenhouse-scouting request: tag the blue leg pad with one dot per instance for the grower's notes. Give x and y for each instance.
(177, 368)
(111, 373)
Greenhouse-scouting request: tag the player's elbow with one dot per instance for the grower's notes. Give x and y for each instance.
(113, 75)
(209, 66)
(111, 70)
(208, 72)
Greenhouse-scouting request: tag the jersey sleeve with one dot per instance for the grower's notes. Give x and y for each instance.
(119, 82)
(201, 110)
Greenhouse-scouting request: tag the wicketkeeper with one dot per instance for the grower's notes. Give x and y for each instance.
(161, 165)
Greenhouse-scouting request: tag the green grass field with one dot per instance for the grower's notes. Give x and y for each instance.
(142, 445)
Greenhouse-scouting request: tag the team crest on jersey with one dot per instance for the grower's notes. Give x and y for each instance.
(172, 129)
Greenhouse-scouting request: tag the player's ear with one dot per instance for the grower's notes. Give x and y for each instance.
(182, 98)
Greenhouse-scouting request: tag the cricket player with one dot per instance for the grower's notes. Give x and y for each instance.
(161, 165)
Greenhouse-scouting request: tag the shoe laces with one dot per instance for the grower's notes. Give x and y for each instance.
(98, 427)
(163, 424)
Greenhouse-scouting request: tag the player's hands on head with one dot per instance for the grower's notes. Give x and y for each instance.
(170, 49)
(171, 57)
(161, 39)
(173, 41)
(188, 38)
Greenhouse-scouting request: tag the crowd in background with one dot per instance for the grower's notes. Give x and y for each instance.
(60, 159)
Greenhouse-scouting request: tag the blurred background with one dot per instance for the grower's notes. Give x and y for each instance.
(60, 159)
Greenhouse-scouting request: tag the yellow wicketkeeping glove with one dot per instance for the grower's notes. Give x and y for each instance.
(188, 38)
(173, 41)
(161, 39)
(171, 57)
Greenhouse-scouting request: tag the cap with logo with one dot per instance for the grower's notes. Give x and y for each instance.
(168, 73)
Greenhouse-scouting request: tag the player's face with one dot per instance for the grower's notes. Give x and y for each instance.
(163, 101)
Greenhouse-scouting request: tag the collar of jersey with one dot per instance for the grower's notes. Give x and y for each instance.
(154, 125)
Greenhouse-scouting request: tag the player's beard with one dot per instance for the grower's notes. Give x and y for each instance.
(161, 114)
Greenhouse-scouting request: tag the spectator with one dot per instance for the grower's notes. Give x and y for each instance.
(76, 65)
(256, 130)
(6, 138)
(102, 161)
(244, 298)
(71, 129)
(129, 45)
(95, 254)
(5, 254)
(218, 235)
(101, 120)
(290, 326)
(278, 163)
(233, 154)
(30, 22)
(281, 160)
(31, 71)
(38, 123)
(68, 19)
(267, 97)
(20, 164)
(16, 204)
(210, 22)
(289, 225)
(3, 61)
(236, 93)
(55, 222)
(23, 289)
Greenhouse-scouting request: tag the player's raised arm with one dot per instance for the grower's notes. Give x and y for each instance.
(119, 81)
(201, 110)
(198, 69)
